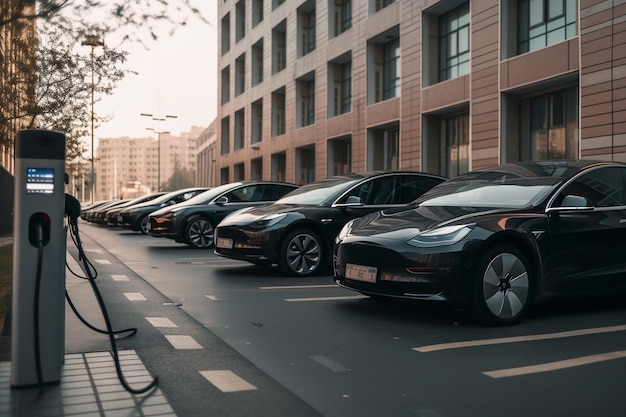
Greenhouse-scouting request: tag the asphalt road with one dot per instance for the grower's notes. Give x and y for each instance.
(343, 354)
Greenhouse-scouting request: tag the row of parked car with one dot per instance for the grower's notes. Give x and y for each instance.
(493, 240)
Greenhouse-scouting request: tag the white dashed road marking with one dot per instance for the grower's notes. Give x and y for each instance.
(555, 366)
(183, 342)
(328, 363)
(135, 296)
(517, 339)
(227, 381)
(119, 277)
(103, 261)
(212, 297)
(161, 322)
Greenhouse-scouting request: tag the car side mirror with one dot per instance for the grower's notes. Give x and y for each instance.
(222, 200)
(573, 203)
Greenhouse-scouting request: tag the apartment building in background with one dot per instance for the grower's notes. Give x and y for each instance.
(311, 88)
(18, 39)
(131, 167)
(205, 157)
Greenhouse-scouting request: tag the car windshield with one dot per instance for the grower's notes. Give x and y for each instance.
(319, 192)
(506, 193)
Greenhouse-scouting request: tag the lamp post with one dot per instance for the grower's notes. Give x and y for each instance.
(158, 132)
(93, 41)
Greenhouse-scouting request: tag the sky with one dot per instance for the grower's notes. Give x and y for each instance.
(176, 76)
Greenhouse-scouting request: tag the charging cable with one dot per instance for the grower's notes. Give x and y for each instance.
(72, 211)
(40, 243)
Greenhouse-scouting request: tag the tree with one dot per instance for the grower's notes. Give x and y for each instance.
(105, 16)
(49, 89)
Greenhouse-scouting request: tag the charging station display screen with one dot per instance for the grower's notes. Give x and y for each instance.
(40, 181)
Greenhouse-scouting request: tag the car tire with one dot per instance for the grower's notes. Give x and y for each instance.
(502, 287)
(199, 233)
(301, 254)
(143, 224)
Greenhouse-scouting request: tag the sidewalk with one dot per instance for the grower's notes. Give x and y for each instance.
(198, 373)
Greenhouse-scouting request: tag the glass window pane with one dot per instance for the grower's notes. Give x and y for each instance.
(555, 8)
(536, 12)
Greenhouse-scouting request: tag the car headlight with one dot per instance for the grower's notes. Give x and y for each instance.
(447, 235)
(345, 231)
(269, 220)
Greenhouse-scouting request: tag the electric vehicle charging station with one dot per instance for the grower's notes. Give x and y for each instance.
(38, 303)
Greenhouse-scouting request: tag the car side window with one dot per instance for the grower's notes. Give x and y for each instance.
(276, 192)
(244, 194)
(603, 187)
(414, 186)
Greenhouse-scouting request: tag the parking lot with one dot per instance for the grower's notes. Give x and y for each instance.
(346, 354)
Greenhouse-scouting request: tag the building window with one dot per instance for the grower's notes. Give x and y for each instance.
(340, 13)
(306, 28)
(224, 175)
(340, 74)
(305, 90)
(279, 165)
(226, 85)
(454, 46)
(454, 152)
(240, 20)
(226, 33)
(279, 47)
(239, 172)
(257, 62)
(257, 12)
(240, 75)
(276, 3)
(256, 169)
(240, 117)
(339, 156)
(256, 129)
(549, 126)
(278, 112)
(305, 164)
(545, 22)
(382, 148)
(384, 66)
(378, 5)
(225, 142)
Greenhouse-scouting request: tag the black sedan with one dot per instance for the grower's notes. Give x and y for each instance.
(193, 221)
(297, 232)
(110, 217)
(135, 217)
(496, 240)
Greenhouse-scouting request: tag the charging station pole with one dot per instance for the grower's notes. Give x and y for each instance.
(38, 222)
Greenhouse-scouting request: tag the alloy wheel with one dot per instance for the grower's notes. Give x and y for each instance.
(200, 233)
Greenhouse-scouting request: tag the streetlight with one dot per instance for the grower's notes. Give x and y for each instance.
(93, 41)
(158, 132)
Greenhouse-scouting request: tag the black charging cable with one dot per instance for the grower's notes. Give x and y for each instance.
(72, 211)
(40, 245)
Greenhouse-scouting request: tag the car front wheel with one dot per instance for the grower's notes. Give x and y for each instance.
(301, 254)
(502, 286)
(199, 233)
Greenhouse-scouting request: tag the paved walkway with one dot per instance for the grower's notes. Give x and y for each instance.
(206, 377)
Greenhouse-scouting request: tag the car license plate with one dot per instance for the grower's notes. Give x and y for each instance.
(120, 218)
(224, 243)
(361, 273)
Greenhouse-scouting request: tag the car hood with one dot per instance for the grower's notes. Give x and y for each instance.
(250, 215)
(407, 222)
